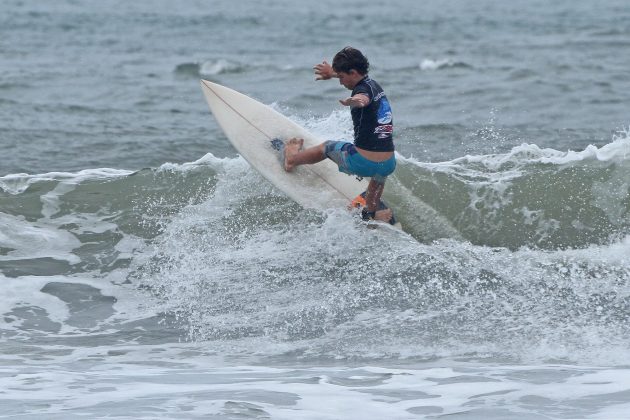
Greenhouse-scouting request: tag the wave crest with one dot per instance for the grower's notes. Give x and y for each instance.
(209, 68)
(528, 196)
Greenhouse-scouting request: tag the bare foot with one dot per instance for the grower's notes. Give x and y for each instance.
(384, 215)
(291, 148)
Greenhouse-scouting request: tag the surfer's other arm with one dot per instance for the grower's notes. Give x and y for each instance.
(324, 71)
(357, 101)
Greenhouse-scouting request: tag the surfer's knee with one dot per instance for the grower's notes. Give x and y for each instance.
(323, 150)
(327, 147)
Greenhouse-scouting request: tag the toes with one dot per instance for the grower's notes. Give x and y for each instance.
(295, 142)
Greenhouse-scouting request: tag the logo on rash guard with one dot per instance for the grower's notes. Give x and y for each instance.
(384, 113)
(384, 131)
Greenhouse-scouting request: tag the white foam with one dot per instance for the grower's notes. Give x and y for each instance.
(201, 385)
(50, 200)
(615, 411)
(614, 254)
(617, 150)
(335, 126)
(26, 291)
(18, 183)
(509, 165)
(39, 239)
(129, 304)
(220, 66)
(216, 163)
(428, 64)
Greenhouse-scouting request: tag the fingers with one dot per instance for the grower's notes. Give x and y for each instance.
(319, 67)
(323, 64)
(323, 71)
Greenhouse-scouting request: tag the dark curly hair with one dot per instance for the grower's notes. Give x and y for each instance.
(350, 59)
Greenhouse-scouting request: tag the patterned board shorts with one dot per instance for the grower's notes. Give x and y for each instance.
(350, 161)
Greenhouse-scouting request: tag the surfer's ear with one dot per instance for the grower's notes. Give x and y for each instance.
(356, 73)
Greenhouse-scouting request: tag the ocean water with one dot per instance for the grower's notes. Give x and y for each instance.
(146, 271)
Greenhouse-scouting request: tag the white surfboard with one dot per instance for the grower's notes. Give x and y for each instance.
(250, 126)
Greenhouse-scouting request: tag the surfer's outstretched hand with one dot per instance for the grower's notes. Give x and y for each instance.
(291, 148)
(324, 71)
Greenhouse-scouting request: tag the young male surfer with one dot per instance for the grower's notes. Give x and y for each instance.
(372, 154)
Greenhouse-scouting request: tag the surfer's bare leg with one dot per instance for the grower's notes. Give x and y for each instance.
(294, 156)
(373, 197)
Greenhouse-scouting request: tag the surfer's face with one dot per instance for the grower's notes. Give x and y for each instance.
(349, 80)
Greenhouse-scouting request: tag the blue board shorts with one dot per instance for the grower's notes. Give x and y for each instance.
(350, 161)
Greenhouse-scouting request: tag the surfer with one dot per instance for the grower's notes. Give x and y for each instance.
(372, 153)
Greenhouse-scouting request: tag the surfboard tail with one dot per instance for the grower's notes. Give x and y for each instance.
(359, 203)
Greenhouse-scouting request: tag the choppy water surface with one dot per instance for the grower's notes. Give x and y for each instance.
(148, 272)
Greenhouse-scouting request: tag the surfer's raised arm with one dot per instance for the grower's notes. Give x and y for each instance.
(324, 71)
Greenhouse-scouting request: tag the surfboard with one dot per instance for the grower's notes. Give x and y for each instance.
(252, 127)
